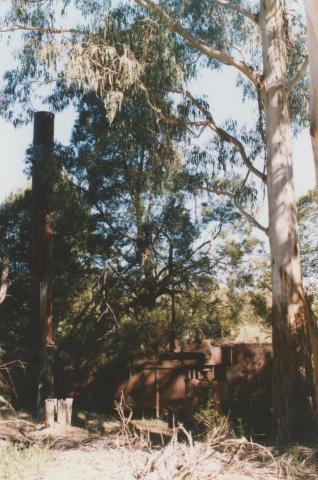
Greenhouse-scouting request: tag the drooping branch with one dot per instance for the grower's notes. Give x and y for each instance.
(299, 75)
(4, 279)
(227, 137)
(223, 134)
(30, 28)
(113, 227)
(113, 35)
(240, 208)
(172, 119)
(198, 44)
(242, 11)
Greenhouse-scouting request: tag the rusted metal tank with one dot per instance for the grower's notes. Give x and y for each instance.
(163, 383)
(239, 376)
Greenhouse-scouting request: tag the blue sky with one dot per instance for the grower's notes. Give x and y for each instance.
(14, 141)
(222, 96)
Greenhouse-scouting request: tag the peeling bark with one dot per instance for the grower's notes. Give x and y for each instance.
(294, 332)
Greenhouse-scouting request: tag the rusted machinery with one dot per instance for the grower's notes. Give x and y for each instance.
(238, 376)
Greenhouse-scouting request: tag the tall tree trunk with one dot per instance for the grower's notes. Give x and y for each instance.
(4, 279)
(294, 336)
(311, 7)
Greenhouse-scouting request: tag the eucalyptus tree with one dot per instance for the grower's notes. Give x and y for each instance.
(271, 68)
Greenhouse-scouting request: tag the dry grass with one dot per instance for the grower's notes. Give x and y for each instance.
(129, 455)
(231, 459)
(225, 459)
(20, 463)
(6, 384)
(222, 456)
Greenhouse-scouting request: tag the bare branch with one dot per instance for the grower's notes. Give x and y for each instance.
(299, 75)
(235, 8)
(241, 209)
(172, 120)
(18, 27)
(14, 27)
(195, 42)
(97, 206)
(227, 137)
(111, 226)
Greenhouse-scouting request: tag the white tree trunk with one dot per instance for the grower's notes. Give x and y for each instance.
(4, 279)
(311, 7)
(295, 384)
(293, 393)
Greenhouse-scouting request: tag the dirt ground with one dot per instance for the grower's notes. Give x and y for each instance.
(104, 463)
(101, 461)
(32, 452)
(95, 462)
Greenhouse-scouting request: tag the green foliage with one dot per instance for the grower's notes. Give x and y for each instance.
(118, 53)
(207, 417)
(110, 52)
(308, 224)
(15, 233)
(101, 316)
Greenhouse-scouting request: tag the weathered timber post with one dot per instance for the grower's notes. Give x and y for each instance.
(64, 412)
(42, 338)
(50, 411)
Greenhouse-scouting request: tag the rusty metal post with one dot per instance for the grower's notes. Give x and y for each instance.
(42, 330)
(173, 331)
(157, 394)
(173, 337)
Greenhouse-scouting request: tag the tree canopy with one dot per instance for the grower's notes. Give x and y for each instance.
(136, 165)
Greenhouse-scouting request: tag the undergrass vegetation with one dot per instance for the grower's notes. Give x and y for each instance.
(23, 463)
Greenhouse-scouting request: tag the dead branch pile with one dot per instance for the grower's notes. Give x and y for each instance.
(228, 459)
(222, 456)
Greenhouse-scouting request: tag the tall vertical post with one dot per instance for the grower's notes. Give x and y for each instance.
(42, 325)
(173, 331)
(157, 393)
(173, 339)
